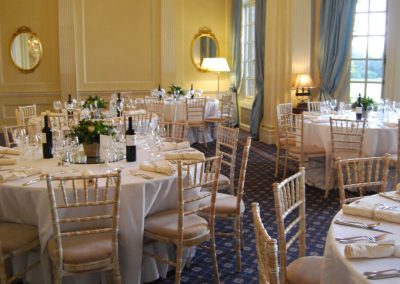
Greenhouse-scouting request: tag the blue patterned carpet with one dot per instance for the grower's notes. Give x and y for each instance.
(258, 187)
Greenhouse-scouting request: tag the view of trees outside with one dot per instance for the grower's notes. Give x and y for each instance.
(368, 49)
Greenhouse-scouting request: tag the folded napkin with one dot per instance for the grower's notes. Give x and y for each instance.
(5, 162)
(161, 167)
(9, 151)
(184, 156)
(86, 173)
(390, 124)
(320, 119)
(17, 174)
(306, 113)
(373, 211)
(381, 249)
(169, 146)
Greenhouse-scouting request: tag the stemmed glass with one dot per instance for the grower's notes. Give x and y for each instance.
(21, 138)
(57, 106)
(333, 104)
(34, 144)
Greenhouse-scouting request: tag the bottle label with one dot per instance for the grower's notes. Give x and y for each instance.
(130, 140)
(43, 138)
(358, 109)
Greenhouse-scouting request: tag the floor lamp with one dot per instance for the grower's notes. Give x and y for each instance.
(216, 64)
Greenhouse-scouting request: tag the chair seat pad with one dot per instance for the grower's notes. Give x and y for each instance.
(225, 204)
(82, 249)
(347, 155)
(223, 182)
(308, 150)
(305, 270)
(14, 236)
(166, 224)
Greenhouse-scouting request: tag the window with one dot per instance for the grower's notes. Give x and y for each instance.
(368, 50)
(248, 56)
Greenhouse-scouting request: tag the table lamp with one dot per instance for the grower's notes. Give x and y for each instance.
(303, 85)
(216, 64)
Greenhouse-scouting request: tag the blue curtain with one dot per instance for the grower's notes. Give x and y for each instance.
(335, 35)
(236, 51)
(257, 110)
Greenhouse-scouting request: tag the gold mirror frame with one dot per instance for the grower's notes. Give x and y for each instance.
(203, 32)
(30, 56)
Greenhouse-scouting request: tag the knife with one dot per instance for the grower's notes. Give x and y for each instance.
(383, 276)
(32, 181)
(390, 197)
(361, 226)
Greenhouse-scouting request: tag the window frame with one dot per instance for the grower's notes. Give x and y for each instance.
(248, 77)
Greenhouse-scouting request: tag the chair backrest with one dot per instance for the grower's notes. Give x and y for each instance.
(202, 173)
(314, 106)
(242, 176)
(267, 250)
(27, 112)
(10, 134)
(361, 174)
(85, 205)
(226, 108)
(293, 127)
(347, 136)
(227, 141)
(195, 110)
(289, 196)
(155, 105)
(174, 131)
(396, 177)
(282, 109)
(140, 121)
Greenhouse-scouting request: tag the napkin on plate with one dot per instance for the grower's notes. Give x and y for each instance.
(373, 211)
(9, 151)
(5, 162)
(161, 167)
(17, 174)
(387, 248)
(169, 146)
(184, 156)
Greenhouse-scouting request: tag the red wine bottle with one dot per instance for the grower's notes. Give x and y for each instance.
(70, 112)
(47, 139)
(359, 108)
(130, 143)
(119, 101)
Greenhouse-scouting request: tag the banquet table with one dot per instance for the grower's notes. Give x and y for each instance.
(339, 269)
(139, 198)
(379, 138)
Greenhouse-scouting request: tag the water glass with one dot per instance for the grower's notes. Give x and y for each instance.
(57, 105)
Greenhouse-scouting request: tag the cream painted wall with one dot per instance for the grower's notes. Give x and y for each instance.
(41, 86)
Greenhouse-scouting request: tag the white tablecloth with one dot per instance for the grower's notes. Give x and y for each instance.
(139, 198)
(338, 269)
(378, 140)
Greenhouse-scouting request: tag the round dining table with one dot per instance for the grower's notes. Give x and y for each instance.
(140, 196)
(339, 269)
(379, 138)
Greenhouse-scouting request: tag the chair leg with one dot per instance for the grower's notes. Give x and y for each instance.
(3, 274)
(56, 275)
(285, 165)
(204, 136)
(178, 264)
(214, 259)
(328, 179)
(116, 275)
(277, 158)
(238, 236)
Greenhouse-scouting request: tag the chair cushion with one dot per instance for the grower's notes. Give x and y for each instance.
(166, 224)
(223, 183)
(14, 236)
(308, 150)
(305, 270)
(347, 155)
(225, 204)
(82, 249)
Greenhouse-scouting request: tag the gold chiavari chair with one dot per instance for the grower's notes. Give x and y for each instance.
(10, 134)
(183, 227)
(289, 196)
(347, 137)
(84, 211)
(195, 115)
(281, 110)
(155, 106)
(26, 112)
(229, 206)
(361, 174)
(16, 239)
(225, 114)
(267, 250)
(394, 158)
(314, 106)
(174, 131)
(139, 119)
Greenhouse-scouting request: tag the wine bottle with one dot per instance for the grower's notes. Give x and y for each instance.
(130, 143)
(119, 101)
(159, 92)
(191, 91)
(47, 139)
(359, 108)
(70, 112)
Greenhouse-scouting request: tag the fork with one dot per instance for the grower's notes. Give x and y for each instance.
(371, 239)
(141, 175)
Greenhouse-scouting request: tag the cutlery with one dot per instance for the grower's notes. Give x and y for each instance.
(390, 197)
(360, 225)
(22, 177)
(383, 276)
(42, 177)
(371, 239)
(141, 175)
(368, 273)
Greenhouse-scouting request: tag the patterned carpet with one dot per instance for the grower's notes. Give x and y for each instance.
(258, 187)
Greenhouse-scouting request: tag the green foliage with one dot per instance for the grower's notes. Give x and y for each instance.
(91, 101)
(367, 103)
(88, 131)
(175, 88)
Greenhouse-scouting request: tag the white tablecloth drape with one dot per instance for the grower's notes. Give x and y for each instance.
(338, 269)
(139, 198)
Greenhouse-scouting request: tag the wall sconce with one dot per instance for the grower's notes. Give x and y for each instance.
(303, 85)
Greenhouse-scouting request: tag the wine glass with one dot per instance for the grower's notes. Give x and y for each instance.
(57, 105)
(333, 104)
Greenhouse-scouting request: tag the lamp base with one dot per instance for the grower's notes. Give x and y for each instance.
(302, 105)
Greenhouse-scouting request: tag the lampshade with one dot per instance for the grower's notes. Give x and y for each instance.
(303, 81)
(216, 64)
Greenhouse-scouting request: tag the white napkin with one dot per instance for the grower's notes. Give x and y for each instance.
(320, 119)
(169, 146)
(5, 162)
(184, 156)
(381, 249)
(161, 167)
(390, 124)
(17, 174)
(372, 210)
(9, 151)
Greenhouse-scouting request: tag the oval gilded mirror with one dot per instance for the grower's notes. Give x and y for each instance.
(26, 50)
(204, 45)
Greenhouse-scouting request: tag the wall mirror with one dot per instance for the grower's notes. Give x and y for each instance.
(204, 44)
(26, 50)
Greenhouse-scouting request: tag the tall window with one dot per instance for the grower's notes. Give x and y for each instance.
(368, 49)
(248, 58)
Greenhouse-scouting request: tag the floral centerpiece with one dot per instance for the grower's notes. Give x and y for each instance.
(94, 102)
(176, 90)
(88, 133)
(367, 102)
